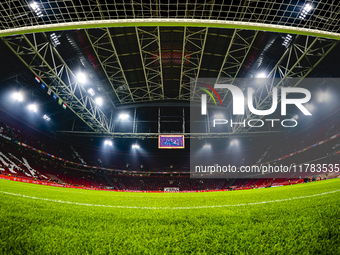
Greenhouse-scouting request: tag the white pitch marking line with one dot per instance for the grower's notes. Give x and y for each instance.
(169, 208)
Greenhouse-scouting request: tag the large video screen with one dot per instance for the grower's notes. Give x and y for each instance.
(171, 141)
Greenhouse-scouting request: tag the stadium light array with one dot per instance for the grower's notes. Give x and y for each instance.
(207, 146)
(91, 92)
(35, 7)
(99, 101)
(287, 41)
(261, 75)
(123, 116)
(46, 118)
(234, 142)
(108, 142)
(54, 39)
(33, 107)
(135, 146)
(18, 96)
(81, 77)
(306, 9)
(323, 96)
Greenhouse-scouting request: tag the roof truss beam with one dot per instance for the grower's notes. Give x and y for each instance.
(44, 61)
(106, 53)
(191, 60)
(186, 135)
(151, 57)
(237, 53)
(304, 54)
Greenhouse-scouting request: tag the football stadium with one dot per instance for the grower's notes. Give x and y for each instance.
(169, 127)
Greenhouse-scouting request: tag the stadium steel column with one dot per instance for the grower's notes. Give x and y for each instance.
(183, 122)
(44, 61)
(134, 124)
(305, 49)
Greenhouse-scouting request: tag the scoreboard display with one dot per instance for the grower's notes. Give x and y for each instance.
(171, 141)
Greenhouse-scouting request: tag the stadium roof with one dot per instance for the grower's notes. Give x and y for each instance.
(145, 55)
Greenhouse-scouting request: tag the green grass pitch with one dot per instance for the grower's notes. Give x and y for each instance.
(297, 219)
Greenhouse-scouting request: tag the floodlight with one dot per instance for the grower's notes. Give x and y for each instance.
(54, 39)
(108, 142)
(287, 40)
(36, 9)
(18, 96)
(123, 116)
(234, 142)
(261, 75)
(135, 146)
(306, 9)
(99, 101)
(81, 77)
(91, 92)
(46, 118)
(34, 5)
(33, 107)
(323, 96)
(207, 146)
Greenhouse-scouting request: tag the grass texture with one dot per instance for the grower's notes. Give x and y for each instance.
(297, 219)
